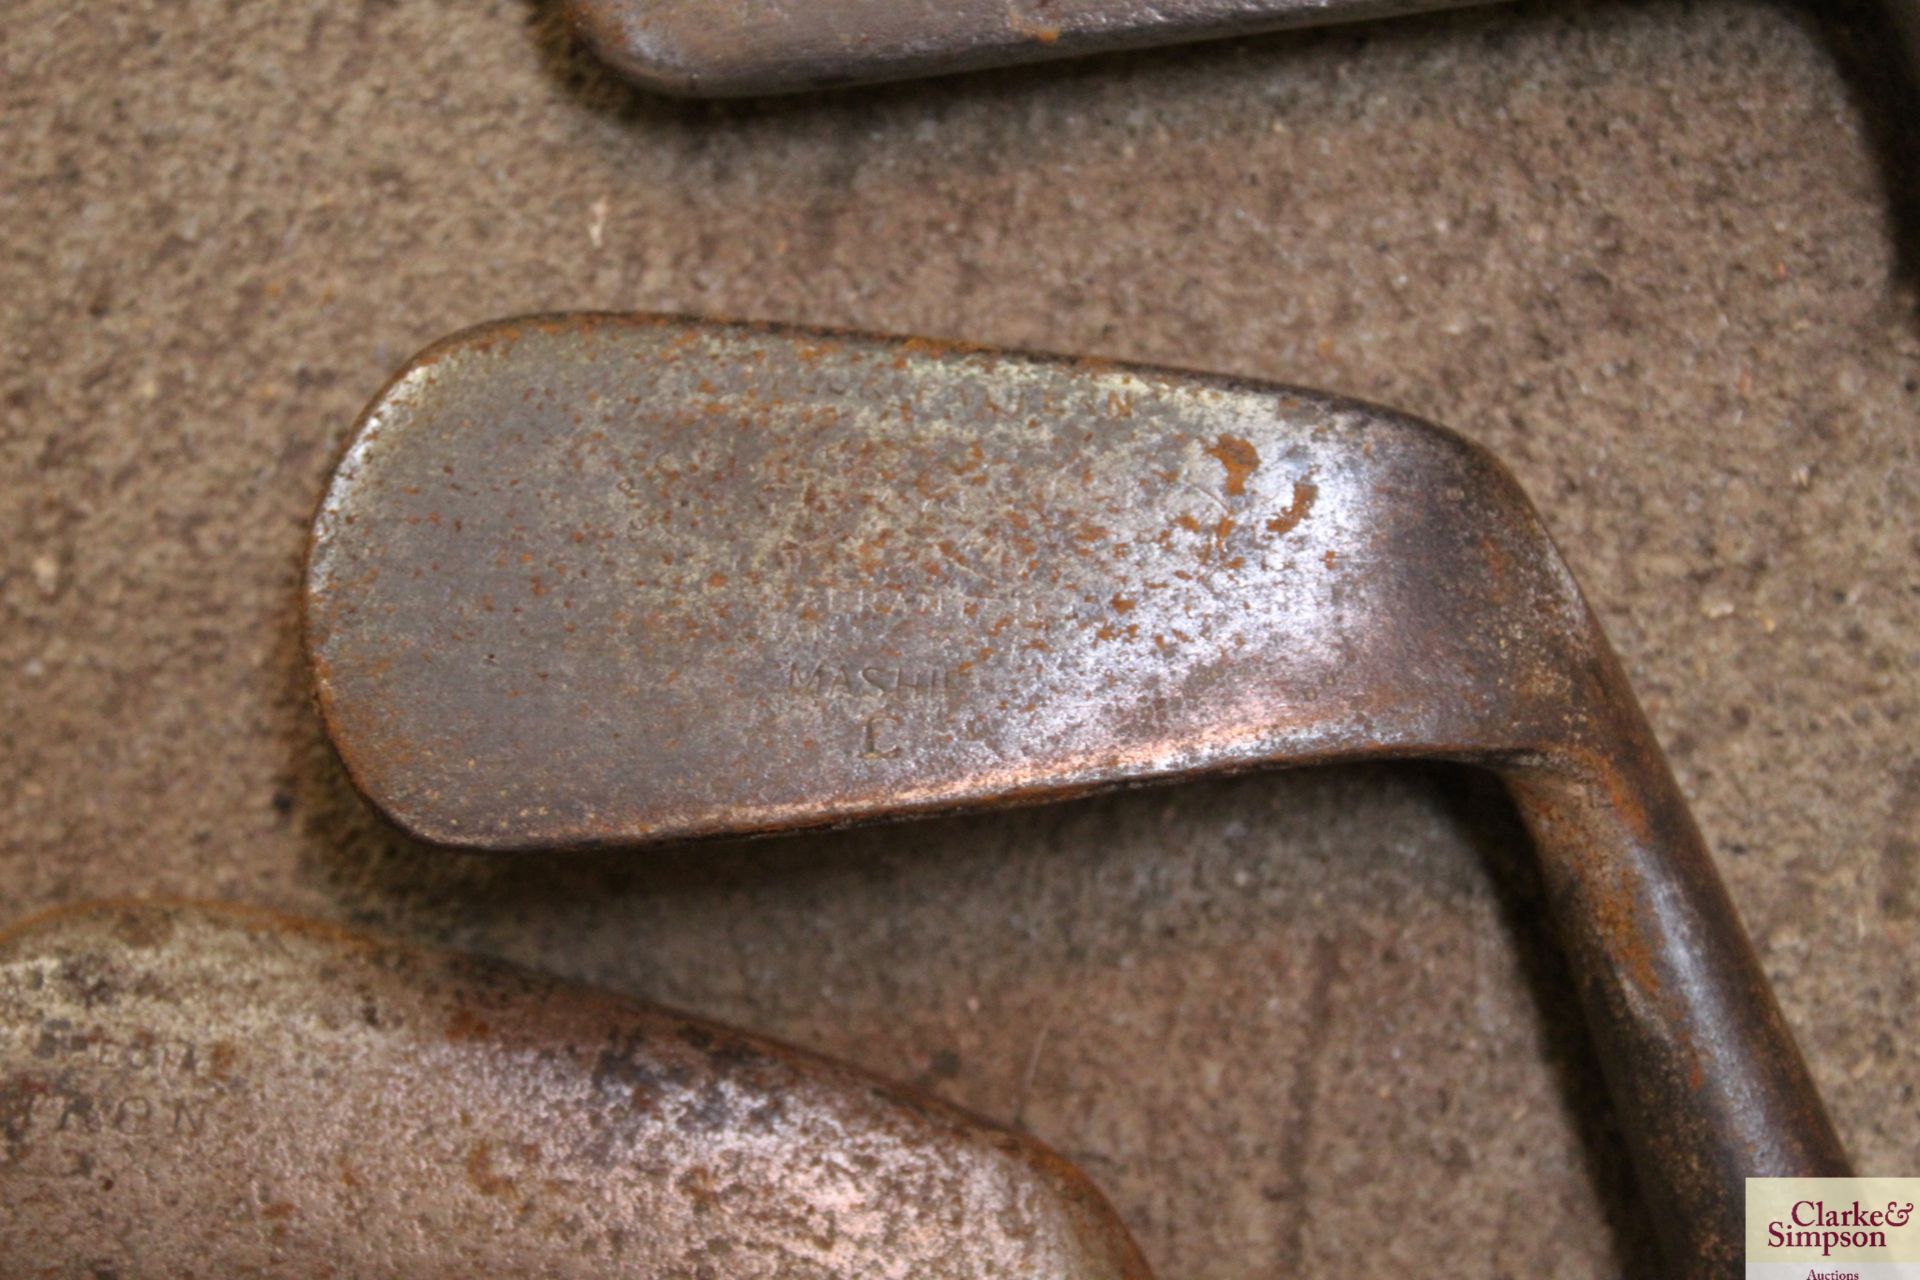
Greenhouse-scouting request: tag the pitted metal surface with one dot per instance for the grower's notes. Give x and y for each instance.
(606, 581)
(720, 48)
(213, 1091)
(597, 581)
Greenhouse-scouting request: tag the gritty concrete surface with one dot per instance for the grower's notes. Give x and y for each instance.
(1646, 250)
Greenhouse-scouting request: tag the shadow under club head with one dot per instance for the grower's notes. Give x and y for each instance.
(604, 581)
(194, 1090)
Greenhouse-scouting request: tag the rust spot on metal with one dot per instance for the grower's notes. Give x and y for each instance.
(1240, 459)
(1039, 33)
(1616, 916)
(466, 1026)
(1304, 492)
(481, 1173)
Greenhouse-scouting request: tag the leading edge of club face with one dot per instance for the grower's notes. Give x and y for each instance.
(596, 581)
(723, 48)
(250, 1094)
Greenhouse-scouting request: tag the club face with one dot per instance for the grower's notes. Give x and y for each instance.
(191, 1091)
(722, 48)
(603, 581)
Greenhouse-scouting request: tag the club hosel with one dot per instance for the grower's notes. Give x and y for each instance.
(1707, 1080)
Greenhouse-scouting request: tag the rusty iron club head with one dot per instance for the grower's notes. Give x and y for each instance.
(732, 48)
(603, 581)
(198, 1090)
(726, 48)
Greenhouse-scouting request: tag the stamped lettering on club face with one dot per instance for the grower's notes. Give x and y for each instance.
(1038, 592)
(1833, 1229)
(61, 1082)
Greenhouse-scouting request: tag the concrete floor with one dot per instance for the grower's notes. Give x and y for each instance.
(1647, 250)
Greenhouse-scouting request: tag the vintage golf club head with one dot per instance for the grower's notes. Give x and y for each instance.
(604, 581)
(735, 48)
(194, 1090)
